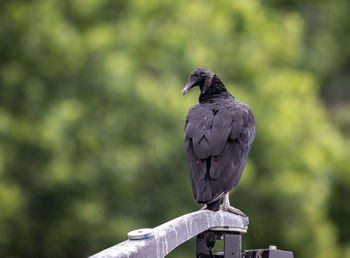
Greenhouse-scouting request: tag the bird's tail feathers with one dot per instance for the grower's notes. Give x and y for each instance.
(214, 206)
(217, 197)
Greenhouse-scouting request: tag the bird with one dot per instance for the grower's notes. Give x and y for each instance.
(219, 132)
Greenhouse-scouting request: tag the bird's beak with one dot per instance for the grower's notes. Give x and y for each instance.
(188, 86)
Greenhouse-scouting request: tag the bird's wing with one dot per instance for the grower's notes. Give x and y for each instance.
(197, 132)
(225, 152)
(229, 158)
(221, 129)
(247, 134)
(198, 125)
(197, 167)
(218, 141)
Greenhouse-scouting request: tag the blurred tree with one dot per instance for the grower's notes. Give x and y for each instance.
(327, 55)
(91, 123)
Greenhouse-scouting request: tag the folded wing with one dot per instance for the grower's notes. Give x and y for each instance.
(217, 140)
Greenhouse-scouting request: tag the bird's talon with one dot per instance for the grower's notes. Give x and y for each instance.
(232, 210)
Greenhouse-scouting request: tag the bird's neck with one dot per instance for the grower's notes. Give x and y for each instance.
(216, 89)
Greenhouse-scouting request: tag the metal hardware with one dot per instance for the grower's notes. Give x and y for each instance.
(232, 247)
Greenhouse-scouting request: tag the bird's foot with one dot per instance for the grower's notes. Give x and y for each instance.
(234, 210)
(205, 207)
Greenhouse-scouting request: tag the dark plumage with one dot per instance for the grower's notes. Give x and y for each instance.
(219, 132)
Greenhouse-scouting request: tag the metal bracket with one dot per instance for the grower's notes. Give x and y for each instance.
(233, 247)
(267, 253)
(206, 242)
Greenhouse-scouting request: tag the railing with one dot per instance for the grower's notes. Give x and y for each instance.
(175, 232)
(207, 225)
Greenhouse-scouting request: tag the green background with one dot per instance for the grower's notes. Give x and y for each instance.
(92, 118)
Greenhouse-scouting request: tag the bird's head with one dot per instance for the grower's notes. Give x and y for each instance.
(202, 77)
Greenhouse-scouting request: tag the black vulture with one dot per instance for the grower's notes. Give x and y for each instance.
(219, 132)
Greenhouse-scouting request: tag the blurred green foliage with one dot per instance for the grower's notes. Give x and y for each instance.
(91, 120)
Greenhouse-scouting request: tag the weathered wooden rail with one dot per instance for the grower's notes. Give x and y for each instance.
(171, 234)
